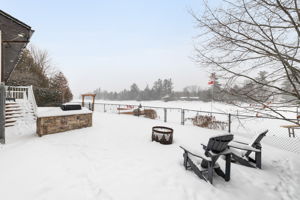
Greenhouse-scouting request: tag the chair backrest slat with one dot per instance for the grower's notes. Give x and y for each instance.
(258, 138)
(219, 143)
(256, 142)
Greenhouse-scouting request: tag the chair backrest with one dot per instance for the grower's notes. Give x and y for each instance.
(256, 143)
(218, 144)
(258, 138)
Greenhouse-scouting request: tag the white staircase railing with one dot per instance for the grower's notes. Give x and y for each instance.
(22, 93)
(16, 92)
(31, 99)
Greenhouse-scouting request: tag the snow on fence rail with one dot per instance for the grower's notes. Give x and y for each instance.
(237, 124)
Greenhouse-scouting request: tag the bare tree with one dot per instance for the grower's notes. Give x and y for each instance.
(35, 68)
(43, 60)
(245, 37)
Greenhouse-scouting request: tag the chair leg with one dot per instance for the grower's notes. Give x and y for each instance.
(258, 159)
(196, 170)
(210, 172)
(228, 167)
(219, 172)
(185, 160)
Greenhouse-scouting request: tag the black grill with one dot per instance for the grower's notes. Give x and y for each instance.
(71, 107)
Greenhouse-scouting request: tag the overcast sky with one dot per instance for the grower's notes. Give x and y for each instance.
(111, 44)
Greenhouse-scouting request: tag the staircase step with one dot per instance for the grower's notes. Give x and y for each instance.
(10, 102)
(17, 111)
(12, 116)
(12, 113)
(13, 109)
(9, 124)
(12, 105)
(10, 121)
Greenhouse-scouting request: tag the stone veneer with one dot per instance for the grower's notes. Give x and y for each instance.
(55, 124)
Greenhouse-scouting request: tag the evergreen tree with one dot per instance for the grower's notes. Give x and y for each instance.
(134, 92)
(60, 83)
(157, 89)
(167, 87)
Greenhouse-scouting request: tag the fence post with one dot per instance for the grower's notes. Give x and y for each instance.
(2, 113)
(165, 115)
(182, 116)
(119, 106)
(104, 108)
(229, 123)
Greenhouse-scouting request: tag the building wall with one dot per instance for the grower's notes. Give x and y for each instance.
(10, 29)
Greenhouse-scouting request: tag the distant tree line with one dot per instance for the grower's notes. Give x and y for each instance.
(161, 88)
(34, 68)
(164, 90)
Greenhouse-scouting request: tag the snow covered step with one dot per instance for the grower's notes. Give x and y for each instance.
(9, 124)
(18, 111)
(13, 109)
(13, 113)
(10, 121)
(13, 116)
(10, 102)
(11, 105)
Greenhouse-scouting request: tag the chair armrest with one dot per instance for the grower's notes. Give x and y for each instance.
(198, 155)
(203, 145)
(243, 147)
(239, 142)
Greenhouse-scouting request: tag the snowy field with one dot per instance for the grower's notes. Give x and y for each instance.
(115, 159)
(247, 127)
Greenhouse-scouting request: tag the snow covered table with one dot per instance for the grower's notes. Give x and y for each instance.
(54, 120)
(291, 129)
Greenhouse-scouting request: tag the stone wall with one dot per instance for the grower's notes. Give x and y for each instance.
(56, 124)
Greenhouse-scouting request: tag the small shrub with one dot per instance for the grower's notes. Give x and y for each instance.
(150, 113)
(209, 121)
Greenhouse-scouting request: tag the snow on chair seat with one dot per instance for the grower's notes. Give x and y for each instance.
(241, 151)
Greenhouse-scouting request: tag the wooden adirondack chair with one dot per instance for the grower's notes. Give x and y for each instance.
(204, 164)
(241, 151)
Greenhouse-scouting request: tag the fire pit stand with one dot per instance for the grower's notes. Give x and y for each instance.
(162, 134)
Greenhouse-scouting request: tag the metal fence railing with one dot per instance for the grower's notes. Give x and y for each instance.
(244, 125)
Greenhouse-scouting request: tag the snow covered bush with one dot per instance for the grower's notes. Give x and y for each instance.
(209, 121)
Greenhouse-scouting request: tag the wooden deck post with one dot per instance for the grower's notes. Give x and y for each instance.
(2, 113)
(182, 116)
(93, 100)
(82, 104)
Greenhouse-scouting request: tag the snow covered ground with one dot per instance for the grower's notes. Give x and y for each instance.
(115, 159)
(277, 136)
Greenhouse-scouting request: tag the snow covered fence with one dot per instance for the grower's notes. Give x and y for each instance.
(167, 114)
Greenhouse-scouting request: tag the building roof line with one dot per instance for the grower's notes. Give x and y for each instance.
(14, 19)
